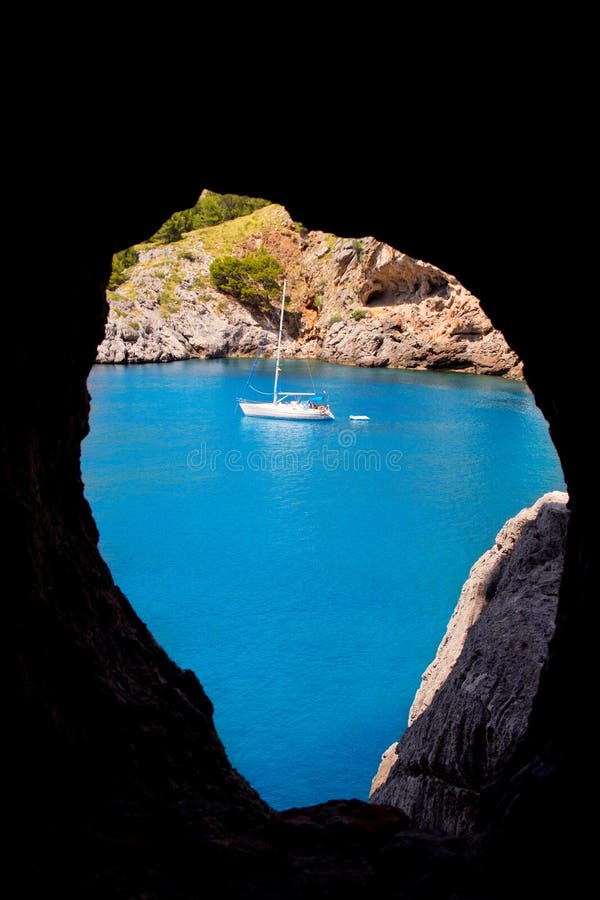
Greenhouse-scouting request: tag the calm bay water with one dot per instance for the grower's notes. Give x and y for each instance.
(306, 571)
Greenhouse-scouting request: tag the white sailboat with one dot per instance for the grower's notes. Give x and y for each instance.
(299, 405)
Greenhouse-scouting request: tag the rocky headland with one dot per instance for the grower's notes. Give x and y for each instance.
(475, 700)
(351, 301)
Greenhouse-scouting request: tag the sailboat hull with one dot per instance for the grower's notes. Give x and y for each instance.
(282, 410)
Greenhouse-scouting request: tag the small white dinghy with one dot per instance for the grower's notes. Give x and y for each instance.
(359, 418)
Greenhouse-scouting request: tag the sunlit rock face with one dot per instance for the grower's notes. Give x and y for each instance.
(476, 698)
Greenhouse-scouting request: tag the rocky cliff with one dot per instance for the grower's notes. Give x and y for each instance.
(475, 700)
(352, 301)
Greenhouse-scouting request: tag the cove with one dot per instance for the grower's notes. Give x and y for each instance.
(306, 572)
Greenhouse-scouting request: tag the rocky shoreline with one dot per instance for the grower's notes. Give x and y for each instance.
(354, 302)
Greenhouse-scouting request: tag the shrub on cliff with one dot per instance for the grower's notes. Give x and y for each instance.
(255, 279)
(121, 261)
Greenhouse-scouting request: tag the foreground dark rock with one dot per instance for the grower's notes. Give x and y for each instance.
(476, 698)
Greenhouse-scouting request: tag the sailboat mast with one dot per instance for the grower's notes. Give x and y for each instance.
(279, 344)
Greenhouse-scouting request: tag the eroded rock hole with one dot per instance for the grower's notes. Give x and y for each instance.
(379, 298)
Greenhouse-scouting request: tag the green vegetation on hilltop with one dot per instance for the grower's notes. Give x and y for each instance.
(227, 238)
(255, 279)
(211, 209)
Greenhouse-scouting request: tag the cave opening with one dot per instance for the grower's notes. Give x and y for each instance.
(115, 763)
(220, 620)
(378, 298)
(115, 752)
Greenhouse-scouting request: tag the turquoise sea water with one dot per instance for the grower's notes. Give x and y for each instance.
(306, 571)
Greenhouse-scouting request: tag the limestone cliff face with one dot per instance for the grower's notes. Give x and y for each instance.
(475, 699)
(352, 301)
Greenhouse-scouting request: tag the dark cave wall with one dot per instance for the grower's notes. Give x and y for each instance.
(107, 736)
(105, 733)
